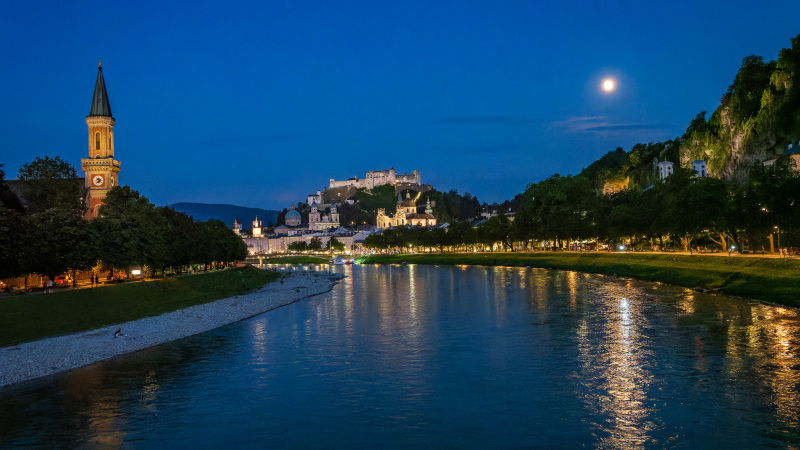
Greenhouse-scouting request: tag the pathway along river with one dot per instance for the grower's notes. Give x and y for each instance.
(458, 357)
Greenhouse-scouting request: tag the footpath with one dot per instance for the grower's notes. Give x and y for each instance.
(58, 354)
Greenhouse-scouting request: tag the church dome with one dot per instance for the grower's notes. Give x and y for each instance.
(293, 214)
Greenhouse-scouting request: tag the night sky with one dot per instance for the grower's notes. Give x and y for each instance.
(261, 103)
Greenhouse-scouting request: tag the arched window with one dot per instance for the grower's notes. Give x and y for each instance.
(97, 140)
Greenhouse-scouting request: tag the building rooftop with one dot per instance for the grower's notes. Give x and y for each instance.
(100, 105)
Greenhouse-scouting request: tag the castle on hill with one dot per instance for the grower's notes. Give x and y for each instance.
(379, 178)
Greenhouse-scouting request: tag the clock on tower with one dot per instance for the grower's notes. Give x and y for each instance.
(100, 167)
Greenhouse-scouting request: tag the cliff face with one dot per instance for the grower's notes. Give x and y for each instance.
(757, 117)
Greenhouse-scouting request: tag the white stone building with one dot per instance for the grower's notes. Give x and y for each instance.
(406, 215)
(665, 169)
(379, 178)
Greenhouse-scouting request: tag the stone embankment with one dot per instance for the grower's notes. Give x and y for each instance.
(53, 355)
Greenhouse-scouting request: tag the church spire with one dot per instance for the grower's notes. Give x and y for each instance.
(100, 105)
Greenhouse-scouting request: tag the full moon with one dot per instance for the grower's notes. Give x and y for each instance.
(608, 85)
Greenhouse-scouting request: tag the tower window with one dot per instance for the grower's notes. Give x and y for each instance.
(97, 141)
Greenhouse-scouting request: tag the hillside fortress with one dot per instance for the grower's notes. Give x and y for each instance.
(379, 178)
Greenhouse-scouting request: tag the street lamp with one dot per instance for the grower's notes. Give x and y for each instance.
(778, 231)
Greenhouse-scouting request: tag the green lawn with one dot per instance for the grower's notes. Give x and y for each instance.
(769, 279)
(30, 317)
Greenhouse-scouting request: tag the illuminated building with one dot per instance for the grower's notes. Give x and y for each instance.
(100, 168)
(406, 214)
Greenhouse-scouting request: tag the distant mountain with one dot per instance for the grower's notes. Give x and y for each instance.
(226, 213)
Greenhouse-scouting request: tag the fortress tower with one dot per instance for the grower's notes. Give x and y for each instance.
(100, 168)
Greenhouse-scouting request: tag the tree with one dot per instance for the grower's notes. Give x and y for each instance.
(129, 230)
(60, 241)
(14, 238)
(335, 245)
(496, 230)
(8, 199)
(315, 244)
(51, 183)
(378, 197)
(298, 246)
(225, 245)
(558, 208)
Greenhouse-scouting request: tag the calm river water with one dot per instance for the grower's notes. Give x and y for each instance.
(445, 357)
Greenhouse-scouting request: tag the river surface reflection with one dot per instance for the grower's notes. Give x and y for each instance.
(424, 356)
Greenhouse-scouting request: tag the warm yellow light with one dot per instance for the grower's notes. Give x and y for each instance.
(608, 85)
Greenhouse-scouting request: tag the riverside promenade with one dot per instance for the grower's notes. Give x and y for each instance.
(58, 354)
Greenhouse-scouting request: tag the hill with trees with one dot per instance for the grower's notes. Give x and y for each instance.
(743, 205)
(757, 118)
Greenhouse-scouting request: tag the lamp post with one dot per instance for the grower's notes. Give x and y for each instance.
(778, 231)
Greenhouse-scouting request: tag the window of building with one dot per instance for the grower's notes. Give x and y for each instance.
(97, 140)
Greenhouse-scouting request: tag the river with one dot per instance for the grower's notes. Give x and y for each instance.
(444, 357)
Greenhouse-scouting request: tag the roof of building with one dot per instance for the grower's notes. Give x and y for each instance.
(293, 214)
(100, 105)
(792, 150)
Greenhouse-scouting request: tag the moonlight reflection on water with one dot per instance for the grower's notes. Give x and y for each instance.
(405, 356)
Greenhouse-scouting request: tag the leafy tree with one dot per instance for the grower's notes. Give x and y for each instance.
(496, 230)
(558, 208)
(315, 244)
(8, 199)
(63, 241)
(335, 245)
(376, 241)
(14, 239)
(698, 125)
(281, 219)
(298, 246)
(378, 197)
(744, 95)
(451, 206)
(608, 164)
(353, 215)
(51, 183)
(47, 168)
(129, 230)
(678, 210)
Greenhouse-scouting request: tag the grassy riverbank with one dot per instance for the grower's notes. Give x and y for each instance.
(769, 279)
(31, 317)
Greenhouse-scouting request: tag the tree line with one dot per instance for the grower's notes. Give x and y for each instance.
(44, 232)
(681, 212)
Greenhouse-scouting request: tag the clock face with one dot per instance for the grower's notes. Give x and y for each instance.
(97, 180)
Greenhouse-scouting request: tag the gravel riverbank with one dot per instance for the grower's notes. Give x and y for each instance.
(58, 354)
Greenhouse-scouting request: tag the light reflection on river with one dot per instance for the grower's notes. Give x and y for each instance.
(408, 356)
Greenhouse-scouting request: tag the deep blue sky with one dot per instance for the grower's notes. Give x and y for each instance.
(261, 103)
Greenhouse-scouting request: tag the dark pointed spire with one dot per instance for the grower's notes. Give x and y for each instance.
(100, 106)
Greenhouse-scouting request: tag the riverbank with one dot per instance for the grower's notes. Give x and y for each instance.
(57, 354)
(34, 316)
(774, 280)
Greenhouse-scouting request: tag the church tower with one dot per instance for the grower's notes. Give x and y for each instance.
(334, 214)
(100, 168)
(313, 216)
